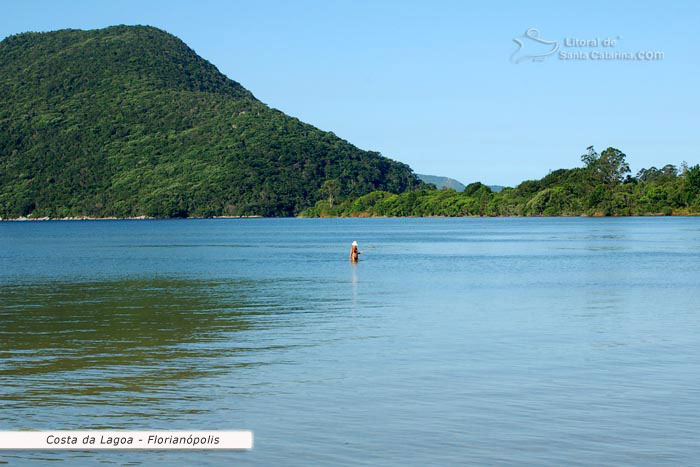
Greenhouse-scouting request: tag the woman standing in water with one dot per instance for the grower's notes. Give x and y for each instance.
(354, 253)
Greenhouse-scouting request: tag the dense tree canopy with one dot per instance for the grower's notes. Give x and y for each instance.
(129, 121)
(602, 188)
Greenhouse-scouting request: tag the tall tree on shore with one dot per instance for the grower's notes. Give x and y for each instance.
(609, 167)
(590, 157)
(612, 166)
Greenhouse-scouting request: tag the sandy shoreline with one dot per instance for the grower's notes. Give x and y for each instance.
(137, 218)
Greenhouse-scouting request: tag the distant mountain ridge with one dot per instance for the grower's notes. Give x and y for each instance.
(128, 121)
(451, 183)
(442, 182)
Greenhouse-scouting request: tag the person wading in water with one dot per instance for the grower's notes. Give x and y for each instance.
(354, 253)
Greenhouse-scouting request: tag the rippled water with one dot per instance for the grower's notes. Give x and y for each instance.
(454, 341)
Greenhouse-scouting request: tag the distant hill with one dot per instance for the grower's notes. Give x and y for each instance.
(447, 182)
(129, 121)
(442, 182)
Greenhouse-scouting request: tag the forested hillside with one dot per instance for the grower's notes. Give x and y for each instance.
(129, 121)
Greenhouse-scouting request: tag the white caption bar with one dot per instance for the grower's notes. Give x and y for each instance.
(90, 440)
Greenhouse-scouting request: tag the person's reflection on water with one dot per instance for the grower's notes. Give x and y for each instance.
(353, 266)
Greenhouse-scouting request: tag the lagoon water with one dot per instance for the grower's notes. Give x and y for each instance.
(552, 341)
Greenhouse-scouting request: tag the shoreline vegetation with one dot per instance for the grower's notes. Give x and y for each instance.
(602, 187)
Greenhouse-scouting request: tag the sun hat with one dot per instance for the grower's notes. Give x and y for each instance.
(354, 243)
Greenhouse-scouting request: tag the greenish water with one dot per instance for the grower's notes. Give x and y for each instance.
(559, 341)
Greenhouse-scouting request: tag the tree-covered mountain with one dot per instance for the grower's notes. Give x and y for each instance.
(603, 187)
(128, 121)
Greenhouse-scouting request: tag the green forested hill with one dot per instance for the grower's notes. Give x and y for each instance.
(128, 121)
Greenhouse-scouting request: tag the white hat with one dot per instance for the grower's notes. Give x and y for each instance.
(354, 243)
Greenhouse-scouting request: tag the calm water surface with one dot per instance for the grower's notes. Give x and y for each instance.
(453, 342)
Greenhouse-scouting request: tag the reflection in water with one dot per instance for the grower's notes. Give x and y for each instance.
(116, 342)
(353, 268)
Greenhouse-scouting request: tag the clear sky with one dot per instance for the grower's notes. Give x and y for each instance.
(433, 84)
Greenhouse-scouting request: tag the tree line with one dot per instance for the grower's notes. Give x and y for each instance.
(604, 186)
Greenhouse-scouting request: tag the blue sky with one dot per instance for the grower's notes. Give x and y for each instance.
(432, 84)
